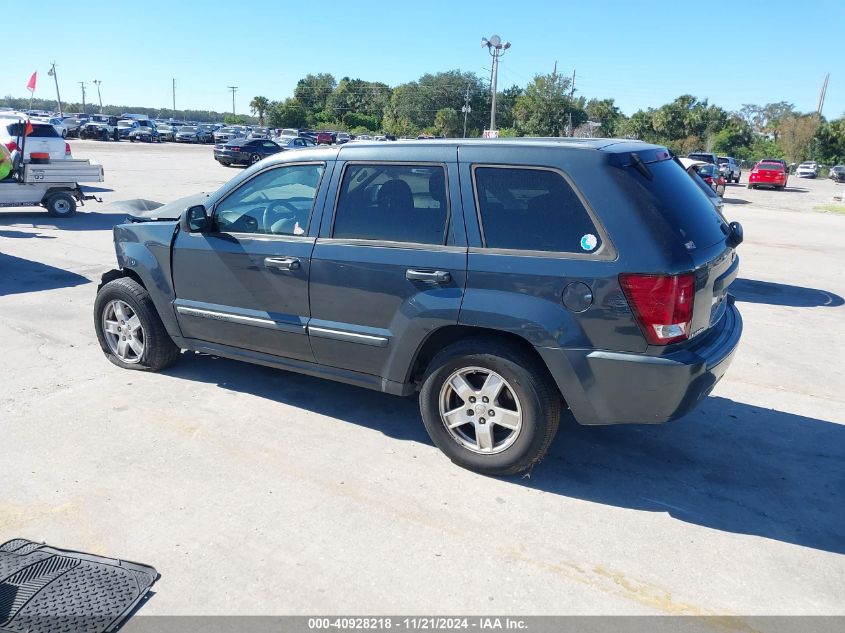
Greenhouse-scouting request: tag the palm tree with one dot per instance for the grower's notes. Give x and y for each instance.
(259, 106)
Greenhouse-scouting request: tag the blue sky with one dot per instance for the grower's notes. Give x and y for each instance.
(643, 53)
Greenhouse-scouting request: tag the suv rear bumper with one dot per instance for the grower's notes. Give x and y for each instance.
(604, 387)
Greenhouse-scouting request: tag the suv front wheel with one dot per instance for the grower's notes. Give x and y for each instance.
(129, 329)
(491, 407)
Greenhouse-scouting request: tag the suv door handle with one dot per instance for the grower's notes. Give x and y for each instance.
(282, 263)
(429, 276)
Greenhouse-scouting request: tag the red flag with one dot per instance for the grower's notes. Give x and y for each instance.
(28, 129)
(31, 84)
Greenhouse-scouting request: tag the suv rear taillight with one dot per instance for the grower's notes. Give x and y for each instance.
(662, 304)
(67, 149)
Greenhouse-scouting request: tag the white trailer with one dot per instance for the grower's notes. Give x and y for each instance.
(54, 186)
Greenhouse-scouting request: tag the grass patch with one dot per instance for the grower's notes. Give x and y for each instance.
(831, 208)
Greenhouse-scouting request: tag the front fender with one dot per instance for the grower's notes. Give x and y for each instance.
(144, 248)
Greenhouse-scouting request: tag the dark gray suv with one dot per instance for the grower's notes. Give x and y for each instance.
(502, 280)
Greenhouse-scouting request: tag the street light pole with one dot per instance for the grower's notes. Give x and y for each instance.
(496, 48)
(82, 83)
(97, 83)
(234, 89)
(174, 97)
(52, 73)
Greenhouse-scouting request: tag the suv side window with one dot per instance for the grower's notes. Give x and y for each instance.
(275, 202)
(390, 202)
(532, 209)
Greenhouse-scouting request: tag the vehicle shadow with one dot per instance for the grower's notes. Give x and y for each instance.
(87, 189)
(796, 189)
(80, 221)
(728, 466)
(19, 275)
(753, 291)
(24, 235)
(735, 201)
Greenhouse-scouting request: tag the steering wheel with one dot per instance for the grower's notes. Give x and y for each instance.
(273, 214)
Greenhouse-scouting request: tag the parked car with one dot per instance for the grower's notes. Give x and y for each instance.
(731, 171)
(837, 173)
(324, 138)
(780, 161)
(711, 175)
(289, 132)
(43, 139)
(72, 125)
(241, 151)
(56, 122)
(690, 166)
(100, 127)
(192, 134)
(125, 126)
(342, 137)
(146, 132)
(768, 174)
(295, 143)
(226, 134)
(259, 133)
(807, 169)
(552, 284)
(705, 157)
(166, 132)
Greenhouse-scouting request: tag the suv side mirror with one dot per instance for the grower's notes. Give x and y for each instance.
(196, 219)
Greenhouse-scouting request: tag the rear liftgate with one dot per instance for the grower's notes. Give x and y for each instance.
(44, 589)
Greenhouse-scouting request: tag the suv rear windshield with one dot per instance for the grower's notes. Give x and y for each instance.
(673, 195)
(39, 130)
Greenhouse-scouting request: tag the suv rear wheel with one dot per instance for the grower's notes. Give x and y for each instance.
(129, 329)
(491, 407)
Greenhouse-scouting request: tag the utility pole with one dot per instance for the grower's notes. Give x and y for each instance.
(496, 48)
(174, 97)
(52, 73)
(822, 95)
(571, 101)
(466, 110)
(82, 83)
(234, 89)
(97, 83)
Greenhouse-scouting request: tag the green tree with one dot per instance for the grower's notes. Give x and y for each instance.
(734, 139)
(607, 114)
(796, 136)
(545, 106)
(259, 106)
(234, 119)
(357, 120)
(290, 113)
(312, 91)
(830, 142)
(639, 126)
(448, 122)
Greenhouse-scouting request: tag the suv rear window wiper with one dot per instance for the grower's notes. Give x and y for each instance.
(641, 166)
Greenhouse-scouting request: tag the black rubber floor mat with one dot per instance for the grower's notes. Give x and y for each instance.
(44, 589)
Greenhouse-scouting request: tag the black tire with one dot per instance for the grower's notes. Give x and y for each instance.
(131, 140)
(60, 205)
(254, 159)
(159, 349)
(530, 381)
(64, 133)
(115, 135)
